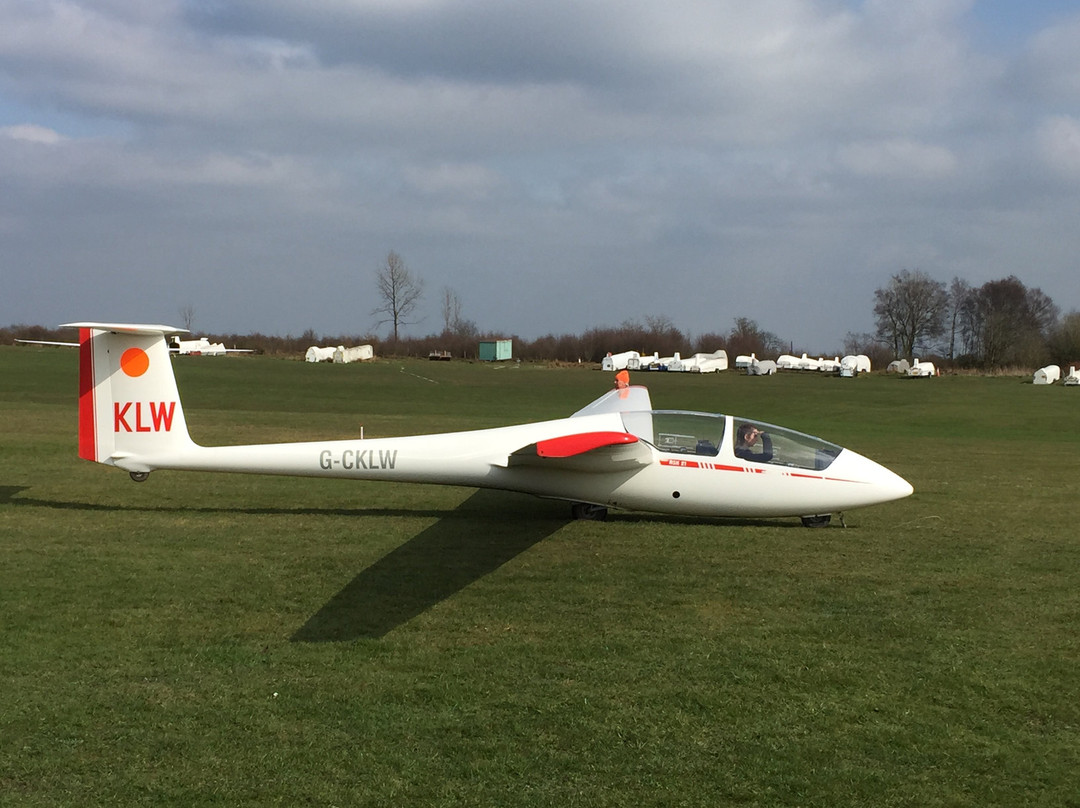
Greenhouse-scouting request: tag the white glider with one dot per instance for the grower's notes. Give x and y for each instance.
(617, 452)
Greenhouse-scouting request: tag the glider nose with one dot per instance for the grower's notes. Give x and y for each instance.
(893, 485)
(882, 485)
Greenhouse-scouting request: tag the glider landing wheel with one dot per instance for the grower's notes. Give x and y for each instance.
(586, 510)
(139, 476)
(821, 520)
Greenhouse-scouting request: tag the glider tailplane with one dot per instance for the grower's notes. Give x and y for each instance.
(129, 408)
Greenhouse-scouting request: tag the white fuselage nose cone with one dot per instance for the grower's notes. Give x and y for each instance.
(876, 483)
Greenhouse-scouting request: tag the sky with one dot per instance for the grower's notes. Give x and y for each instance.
(558, 166)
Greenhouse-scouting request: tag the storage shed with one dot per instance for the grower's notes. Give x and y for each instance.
(496, 350)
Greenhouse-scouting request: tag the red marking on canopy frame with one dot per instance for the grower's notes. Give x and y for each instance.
(570, 445)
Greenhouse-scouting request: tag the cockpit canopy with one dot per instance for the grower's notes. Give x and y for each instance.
(710, 435)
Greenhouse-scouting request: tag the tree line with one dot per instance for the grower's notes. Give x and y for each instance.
(462, 338)
(1002, 323)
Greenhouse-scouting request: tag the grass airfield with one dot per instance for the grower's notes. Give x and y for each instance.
(203, 640)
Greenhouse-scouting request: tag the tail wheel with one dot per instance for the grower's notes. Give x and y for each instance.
(586, 510)
(139, 476)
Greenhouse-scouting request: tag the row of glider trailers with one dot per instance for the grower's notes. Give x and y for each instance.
(849, 366)
(698, 363)
(718, 361)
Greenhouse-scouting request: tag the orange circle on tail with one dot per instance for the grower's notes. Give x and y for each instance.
(134, 362)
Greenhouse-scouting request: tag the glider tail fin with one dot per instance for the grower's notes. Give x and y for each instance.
(129, 408)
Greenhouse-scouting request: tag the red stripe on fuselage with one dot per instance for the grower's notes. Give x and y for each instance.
(87, 433)
(695, 464)
(704, 464)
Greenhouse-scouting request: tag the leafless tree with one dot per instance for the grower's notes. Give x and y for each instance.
(1064, 341)
(910, 311)
(457, 329)
(869, 346)
(399, 290)
(451, 309)
(1011, 322)
(961, 301)
(187, 315)
(747, 337)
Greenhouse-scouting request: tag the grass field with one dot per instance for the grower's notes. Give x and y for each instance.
(204, 640)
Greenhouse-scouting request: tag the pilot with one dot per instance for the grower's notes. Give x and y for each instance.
(746, 437)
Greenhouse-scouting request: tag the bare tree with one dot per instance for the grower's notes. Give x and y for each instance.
(869, 346)
(1011, 322)
(187, 315)
(451, 309)
(454, 325)
(910, 311)
(400, 291)
(747, 337)
(1064, 341)
(661, 333)
(961, 300)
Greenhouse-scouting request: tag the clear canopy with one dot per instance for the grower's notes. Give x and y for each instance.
(696, 433)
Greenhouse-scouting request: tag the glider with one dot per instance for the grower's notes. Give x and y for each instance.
(617, 452)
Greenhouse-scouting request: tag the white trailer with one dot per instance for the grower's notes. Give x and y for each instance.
(619, 361)
(359, 353)
(710, 362)
(787, 362)
(197, 347)
(853, 365)
(922, 369)
(1047, 375)
(642, 362)
(317, 354)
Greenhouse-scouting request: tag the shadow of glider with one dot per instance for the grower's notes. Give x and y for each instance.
(463, 546)
(431, 567)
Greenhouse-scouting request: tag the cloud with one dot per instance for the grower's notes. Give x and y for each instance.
(31, 133)
(899, 159)
(555, 154)
(1059, 144)
(1051, 67)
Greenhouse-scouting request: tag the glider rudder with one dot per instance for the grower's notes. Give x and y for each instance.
(129, 406)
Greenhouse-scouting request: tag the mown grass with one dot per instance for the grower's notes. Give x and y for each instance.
(228, 640)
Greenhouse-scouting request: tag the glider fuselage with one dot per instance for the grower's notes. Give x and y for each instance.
(617, 452)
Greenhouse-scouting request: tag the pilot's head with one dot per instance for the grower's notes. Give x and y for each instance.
(748, 434)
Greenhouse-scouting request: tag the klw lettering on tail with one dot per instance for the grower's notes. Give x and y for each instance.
(156, 417)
